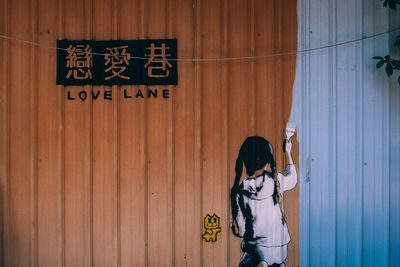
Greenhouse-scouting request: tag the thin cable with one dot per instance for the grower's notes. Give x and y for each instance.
(216, 59)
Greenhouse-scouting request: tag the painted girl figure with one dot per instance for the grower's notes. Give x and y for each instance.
(257, 203)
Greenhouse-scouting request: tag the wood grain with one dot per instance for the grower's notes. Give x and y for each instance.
(21, 155)
(105, 157)
(133, 153)
(127, 182)
(49, 177)
(213, 182)
(160, 202)
(4, 135)
(187, 219)
(78, 151)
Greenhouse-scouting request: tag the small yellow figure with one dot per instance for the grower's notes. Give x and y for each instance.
(212, 225)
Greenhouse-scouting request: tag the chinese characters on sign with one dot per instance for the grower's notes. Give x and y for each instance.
(156, 59)
(79, 62)
(118, 62)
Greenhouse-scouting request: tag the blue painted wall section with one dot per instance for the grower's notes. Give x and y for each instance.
(394, 156)
(347, 113)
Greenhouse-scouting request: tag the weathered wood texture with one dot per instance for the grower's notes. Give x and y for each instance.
(128, 182)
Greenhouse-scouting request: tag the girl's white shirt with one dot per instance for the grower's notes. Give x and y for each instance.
(256, 196)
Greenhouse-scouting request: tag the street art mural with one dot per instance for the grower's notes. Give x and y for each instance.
(108, 157)
(257, 202)
(120, 125)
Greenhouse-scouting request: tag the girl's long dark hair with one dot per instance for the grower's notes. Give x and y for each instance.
(254, 154)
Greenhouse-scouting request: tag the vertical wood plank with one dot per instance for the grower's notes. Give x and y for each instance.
(225, 124)
(146, 182)
(240, 97)
(4, 134)
(278, 108)
(214, 184)
(197, 157)
(89, 35)
(105, 141)
(251, 79)
(20, 142)
(160, 222)
(33, 138)
(49, 176)
(187, 183)
(264, 28)
(78, 170)
(60, 142)
(170, 137)
(116, 125)
(133, 163)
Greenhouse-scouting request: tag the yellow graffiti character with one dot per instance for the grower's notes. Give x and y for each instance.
(212, 225)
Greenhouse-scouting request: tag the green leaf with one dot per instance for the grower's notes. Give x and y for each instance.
(389, 69)
(392, 4)
(380, 64)
(387, 58)
(398, 79)
(381, 58)
(395, 64)
(397, 43)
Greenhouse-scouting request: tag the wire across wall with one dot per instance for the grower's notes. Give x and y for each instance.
(222, 58)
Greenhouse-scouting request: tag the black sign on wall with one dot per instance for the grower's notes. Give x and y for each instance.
(117, 62)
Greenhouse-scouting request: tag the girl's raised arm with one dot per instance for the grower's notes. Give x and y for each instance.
(288, 181)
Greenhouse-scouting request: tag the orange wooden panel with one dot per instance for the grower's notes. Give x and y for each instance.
(264, 68)
(214, 182)
(78, 151)
(49, 142)
(4, 129)
(197, 121)
(279, 100)
(188, 221)
(105, 148)
(160, 205)
(133, 163)
(21, 156)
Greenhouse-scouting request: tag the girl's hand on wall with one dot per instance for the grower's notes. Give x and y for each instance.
(288, 148)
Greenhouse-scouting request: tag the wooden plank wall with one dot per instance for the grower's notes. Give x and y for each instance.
(128, 182)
